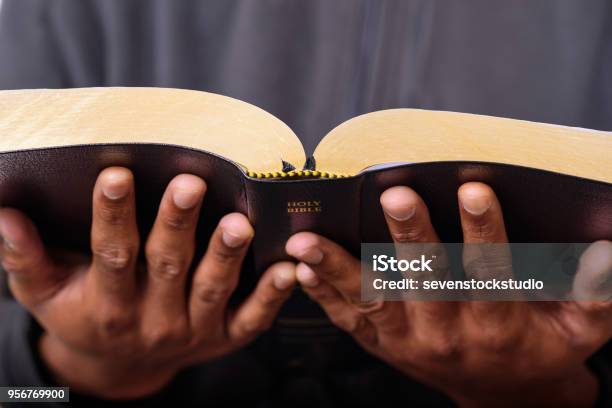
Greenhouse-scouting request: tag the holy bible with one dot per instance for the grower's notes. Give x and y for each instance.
(553, 182)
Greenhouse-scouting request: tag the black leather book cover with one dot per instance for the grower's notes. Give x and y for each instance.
(54, 186)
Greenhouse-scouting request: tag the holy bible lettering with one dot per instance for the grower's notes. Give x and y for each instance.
(304, 207)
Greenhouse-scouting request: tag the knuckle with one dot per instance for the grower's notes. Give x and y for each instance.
(114, 323)
(31, 295)
(178, 221)
(480, 270)
(586, 341)
(267, 300)
(600, 309)
(225, 256)
(164, 265)
(250, 328)
(115, 257)
(353, 325)
(481, 227)
(14, 265)
(484, 269)
(441, 348)
(157, 337)
(370, 307)
(408, 235)
(213, 293)
(114, 213)
(164, 335)
(322, 296)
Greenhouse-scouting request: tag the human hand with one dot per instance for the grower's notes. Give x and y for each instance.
(116, 328)
(480, 353)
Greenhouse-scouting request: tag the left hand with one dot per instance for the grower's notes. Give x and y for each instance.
(478, 353)
(118, 326)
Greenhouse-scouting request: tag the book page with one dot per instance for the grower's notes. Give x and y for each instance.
(415, 136)
(236, 130)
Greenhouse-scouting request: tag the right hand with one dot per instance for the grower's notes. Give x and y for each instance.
(116, 329)
(481, 353)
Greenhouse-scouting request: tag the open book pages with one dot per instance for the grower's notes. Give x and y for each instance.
(259, 143)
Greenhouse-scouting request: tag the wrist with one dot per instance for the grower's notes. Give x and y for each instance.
(578, 388)
(101, 377)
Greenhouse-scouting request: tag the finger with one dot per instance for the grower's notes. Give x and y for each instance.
(331, 263)
(481, 215)
(259, 310)
(589, 318)
(217, 275)
(407, 216)
(593, 282)
(408, 220)
(341, 313)
(33, 277)
(170, 246)
(114, 235)
(482, 223)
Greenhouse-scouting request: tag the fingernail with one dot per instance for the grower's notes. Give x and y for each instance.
(476, 205)
(312, 255)
(6, 243)
(232, 240)
(284, 278)
(115, 189)
(185, 199)
(401, 213)
(306, 276)
(3, 240)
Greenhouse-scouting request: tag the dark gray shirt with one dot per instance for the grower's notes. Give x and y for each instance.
(314, 64)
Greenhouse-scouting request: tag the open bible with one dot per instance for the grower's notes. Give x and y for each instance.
(554, 182)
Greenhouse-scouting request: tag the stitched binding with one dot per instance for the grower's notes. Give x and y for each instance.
(295, 174)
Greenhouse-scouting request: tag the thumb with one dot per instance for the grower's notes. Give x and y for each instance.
(588, 315)
(593, 282)
(32, 275)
